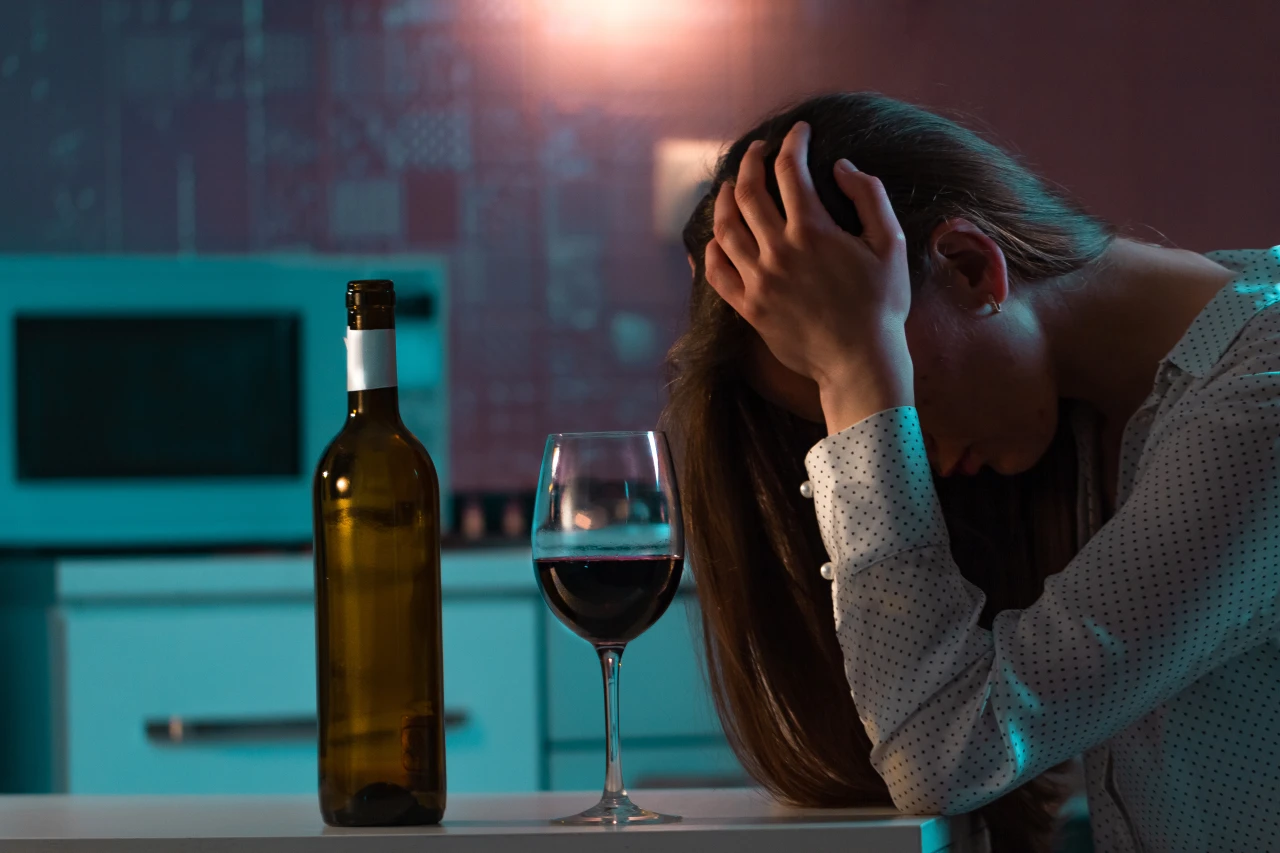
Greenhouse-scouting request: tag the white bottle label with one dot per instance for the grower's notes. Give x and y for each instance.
(371, 359)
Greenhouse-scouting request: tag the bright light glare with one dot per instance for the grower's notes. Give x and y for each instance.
(610, 14)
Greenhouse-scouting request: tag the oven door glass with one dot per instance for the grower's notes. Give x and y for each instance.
(146, 397)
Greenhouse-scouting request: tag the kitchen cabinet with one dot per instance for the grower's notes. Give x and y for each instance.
(219, 697)
(195, 675)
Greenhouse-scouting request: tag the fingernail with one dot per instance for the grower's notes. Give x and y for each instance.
(756, 145)
(844, 165)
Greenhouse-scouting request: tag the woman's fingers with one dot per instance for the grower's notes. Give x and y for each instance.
(754, 201)
(880, 227)
(795, 184)
(723, 276)
(731, 232)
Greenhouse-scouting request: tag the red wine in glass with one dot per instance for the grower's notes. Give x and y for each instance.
(609, 600)
(608, 552)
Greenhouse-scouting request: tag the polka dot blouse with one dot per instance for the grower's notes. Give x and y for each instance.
(1155, 653)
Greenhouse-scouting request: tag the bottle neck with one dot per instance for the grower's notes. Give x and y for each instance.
(374, 404)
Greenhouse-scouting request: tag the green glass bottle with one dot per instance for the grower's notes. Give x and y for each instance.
(379, 659)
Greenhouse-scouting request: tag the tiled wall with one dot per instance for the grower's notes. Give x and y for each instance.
(517, 137)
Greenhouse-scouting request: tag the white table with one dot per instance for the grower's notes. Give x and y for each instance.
(740, 820)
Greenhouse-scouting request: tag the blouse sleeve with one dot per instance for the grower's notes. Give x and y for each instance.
(1183, 578)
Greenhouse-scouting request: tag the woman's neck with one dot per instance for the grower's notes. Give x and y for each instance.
(1109, 325)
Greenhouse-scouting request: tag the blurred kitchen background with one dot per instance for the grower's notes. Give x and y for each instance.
(185, 188)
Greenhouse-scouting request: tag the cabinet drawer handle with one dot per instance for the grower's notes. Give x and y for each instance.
(175, 731)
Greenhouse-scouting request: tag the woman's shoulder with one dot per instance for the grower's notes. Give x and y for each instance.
(1245, 311)
(1249, 261)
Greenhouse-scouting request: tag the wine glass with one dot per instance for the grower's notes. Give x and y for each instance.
(608, 550)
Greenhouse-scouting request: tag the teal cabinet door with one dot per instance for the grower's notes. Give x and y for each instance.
(491, 672)
(235, 665)
(137, 683)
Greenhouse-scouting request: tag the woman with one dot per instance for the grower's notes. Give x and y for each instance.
(1091, 566)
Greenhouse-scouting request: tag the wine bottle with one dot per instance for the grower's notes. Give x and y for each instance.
(379, 662)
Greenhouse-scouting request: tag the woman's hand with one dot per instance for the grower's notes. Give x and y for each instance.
(829, 305)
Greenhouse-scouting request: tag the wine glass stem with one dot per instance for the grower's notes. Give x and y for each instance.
(610, 664)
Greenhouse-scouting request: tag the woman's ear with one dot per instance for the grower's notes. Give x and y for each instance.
(969, 262)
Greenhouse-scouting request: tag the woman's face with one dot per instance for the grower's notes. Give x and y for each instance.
(983, 382)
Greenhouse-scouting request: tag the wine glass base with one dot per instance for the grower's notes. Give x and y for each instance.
(616, 812)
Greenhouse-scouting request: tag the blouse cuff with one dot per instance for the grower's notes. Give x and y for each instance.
(873, 490)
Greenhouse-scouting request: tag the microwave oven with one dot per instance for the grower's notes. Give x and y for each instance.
(162, 402)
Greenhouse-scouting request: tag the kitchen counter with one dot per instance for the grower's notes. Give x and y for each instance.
(739, 820)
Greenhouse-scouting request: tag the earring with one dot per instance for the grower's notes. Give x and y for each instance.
(996, 305)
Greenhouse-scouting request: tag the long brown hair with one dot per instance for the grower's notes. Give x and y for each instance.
(774, 664)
